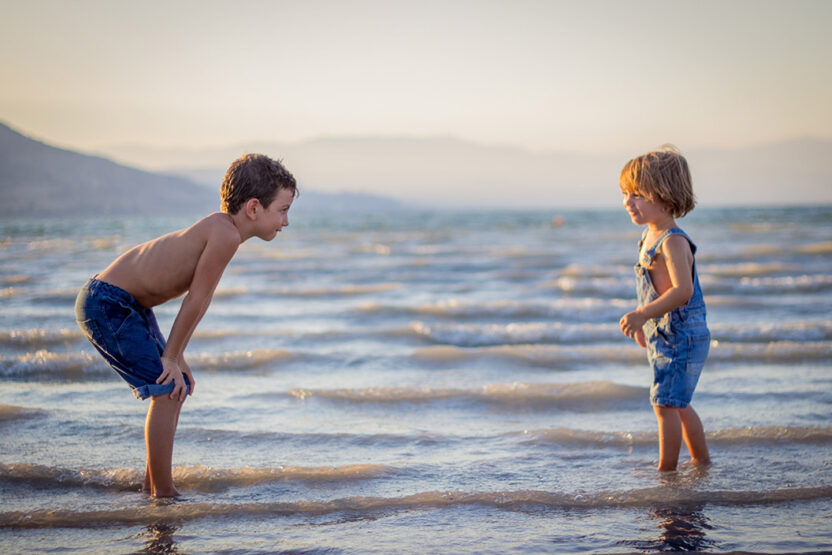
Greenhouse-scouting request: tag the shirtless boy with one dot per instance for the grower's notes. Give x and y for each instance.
(114, 308)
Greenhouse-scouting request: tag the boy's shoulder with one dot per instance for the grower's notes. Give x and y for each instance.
(215, 232)
(218, 225)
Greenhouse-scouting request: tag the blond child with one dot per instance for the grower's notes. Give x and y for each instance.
(114, 308)
(670, 319)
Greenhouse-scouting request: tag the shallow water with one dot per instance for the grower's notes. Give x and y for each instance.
(426, 382)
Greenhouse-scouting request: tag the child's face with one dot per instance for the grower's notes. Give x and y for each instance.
(276, 216)
(642, 210)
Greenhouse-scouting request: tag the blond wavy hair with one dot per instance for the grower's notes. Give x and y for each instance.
(661, 175)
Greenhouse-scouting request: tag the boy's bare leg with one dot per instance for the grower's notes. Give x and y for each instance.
(670, 436)
(147, 482)
(146, 486)
(694, 435)
(159, 430)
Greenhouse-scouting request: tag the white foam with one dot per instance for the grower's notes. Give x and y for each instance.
(502, 500)
(522, 393)
(190, 478)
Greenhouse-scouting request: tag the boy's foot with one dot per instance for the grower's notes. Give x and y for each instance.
(165, 493)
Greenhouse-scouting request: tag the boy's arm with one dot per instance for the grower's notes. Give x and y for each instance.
(219, 249)
(679, 261)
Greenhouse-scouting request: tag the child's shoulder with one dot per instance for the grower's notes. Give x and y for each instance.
(218, 223)
(216, 230)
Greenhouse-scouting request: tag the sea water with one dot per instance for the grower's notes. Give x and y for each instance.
(426, 382)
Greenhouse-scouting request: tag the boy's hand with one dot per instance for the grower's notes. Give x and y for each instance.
(631, 325)
(640, 338)
(186, 370)
(172, 373)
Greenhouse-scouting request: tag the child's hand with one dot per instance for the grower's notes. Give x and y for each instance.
(640, 338)
(186, 370)
(172, 373)
(631, 325)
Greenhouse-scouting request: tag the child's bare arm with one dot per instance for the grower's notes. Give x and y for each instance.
(220, 247)
(678, 259)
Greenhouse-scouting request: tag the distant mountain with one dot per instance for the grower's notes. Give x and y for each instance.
(43, 180)
(440, 172)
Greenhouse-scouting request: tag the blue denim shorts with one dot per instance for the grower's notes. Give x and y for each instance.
(677, 357)
(126, 334)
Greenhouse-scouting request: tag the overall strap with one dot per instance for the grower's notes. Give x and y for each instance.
(647, 258)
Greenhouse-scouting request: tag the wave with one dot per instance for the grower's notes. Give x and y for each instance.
(46, 364)
(584, 309)
(782, 285)
(534, 355)
(613, 287)
(584, 271)
(477, 335)
(9, 292)
(731, 436)
(473, 335)
(748, 269)
(423, 439)
(11, 412)
(43, 364)
(34, 338)
(523, 500)
(339, 291)
(565, 356)
(773, 331)
(746, 279)
(775, 351)
(18, 279)
(238, 360)
(816, 248)
(588, 394)
(189, 478)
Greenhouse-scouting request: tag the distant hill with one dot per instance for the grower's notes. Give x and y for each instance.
(441, 171)
(42, 180)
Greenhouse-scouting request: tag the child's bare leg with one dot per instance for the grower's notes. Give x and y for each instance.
(146, 486)
(147, 482)
(160, 428)
(670, 436)
(694, 435)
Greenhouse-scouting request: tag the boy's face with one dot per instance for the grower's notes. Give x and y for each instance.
(276, 216)
(642, 210)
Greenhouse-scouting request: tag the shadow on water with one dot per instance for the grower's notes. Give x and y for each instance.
(680, 528)
(158, 538)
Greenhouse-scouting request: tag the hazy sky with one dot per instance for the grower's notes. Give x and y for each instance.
(574, 75)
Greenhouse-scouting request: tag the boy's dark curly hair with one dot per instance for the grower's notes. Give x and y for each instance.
(254, 176)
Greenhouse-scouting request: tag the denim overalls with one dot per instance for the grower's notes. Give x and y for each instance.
(677, 342)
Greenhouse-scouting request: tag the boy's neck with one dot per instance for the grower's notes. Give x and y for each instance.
(662, 225)
(242, 223)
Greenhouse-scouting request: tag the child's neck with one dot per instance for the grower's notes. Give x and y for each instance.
(661, 225)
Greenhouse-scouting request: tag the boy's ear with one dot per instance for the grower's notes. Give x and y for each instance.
(251, 207)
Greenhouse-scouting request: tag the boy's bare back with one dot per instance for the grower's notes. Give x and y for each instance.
(168, 266)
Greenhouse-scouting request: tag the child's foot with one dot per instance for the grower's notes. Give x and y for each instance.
(165, 493)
